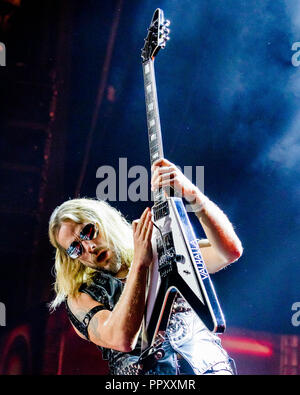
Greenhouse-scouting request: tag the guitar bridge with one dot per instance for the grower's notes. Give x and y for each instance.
(166, 254)
(166, 264)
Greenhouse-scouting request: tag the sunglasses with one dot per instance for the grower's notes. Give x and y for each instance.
(89, 232)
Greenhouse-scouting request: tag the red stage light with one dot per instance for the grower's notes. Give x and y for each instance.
(244, 345)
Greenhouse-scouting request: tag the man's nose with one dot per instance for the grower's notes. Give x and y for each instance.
(89, 246)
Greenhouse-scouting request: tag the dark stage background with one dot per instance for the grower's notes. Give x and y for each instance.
(72, 101)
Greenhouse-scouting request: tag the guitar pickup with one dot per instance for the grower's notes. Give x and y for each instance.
(161, 210)
(166, 264)
(164, 244)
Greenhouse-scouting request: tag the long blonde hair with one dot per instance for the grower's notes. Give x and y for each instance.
(71, 273)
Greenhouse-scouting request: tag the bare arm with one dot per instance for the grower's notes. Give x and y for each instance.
(225, 247)
(118, 329)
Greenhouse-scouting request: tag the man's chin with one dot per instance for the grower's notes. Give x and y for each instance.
(113, 267)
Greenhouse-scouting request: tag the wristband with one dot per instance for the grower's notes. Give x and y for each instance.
(200, 207)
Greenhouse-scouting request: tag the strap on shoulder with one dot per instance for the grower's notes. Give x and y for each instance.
(83, 326)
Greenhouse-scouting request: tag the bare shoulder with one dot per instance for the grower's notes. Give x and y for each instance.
(81, 304)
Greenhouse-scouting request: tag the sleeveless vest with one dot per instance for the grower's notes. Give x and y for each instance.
(186, 337)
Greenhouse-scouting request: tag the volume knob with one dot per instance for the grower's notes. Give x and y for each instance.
(180, 258)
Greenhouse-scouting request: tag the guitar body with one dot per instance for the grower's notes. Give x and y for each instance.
(178, 265)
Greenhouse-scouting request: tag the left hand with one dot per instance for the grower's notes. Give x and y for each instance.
(142, 233)
(165, 174)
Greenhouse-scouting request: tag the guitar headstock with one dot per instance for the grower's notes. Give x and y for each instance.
(158, 35)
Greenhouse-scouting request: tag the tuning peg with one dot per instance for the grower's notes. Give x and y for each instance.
(164, 36)
(165, 25)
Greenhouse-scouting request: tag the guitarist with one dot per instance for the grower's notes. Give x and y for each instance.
(101, 269)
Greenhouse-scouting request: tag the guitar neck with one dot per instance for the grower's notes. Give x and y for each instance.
(153, 119)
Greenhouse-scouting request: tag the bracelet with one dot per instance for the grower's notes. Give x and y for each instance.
(200, 207)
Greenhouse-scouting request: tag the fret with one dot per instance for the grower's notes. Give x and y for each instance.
(150, 107)
(147, 78)
(154, 150)
(149, 88)
(147, 68)
(150, 99)
(150, 116)
(151, 122)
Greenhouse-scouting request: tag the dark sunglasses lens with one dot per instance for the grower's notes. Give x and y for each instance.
(75, 250)
(88, 232)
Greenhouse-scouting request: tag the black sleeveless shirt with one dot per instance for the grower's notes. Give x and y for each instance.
(105, 289)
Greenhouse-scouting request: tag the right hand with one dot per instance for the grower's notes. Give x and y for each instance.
(142, 234)
(166, 174)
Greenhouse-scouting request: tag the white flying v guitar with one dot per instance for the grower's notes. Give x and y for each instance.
(178, 266)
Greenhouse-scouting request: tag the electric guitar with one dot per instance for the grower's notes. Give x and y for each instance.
(178, 265)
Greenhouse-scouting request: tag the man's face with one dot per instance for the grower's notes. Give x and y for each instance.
(96, 253)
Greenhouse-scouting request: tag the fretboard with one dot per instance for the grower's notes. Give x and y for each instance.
(153, 120)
